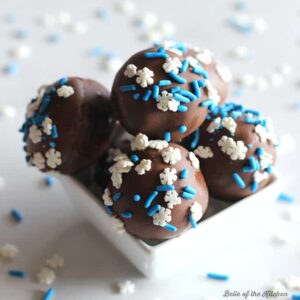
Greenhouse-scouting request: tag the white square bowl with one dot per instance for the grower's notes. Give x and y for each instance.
(219, 233)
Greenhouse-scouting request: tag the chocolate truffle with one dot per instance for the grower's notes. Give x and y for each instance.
(68, 126)
(156, 189)
(161, 93)
(236, 148)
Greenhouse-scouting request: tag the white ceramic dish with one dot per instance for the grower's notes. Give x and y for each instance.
(225, 229)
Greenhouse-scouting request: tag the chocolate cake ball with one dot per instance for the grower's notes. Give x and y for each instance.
(161, 93)
(156, 189)
(68, 126)
(236, 148)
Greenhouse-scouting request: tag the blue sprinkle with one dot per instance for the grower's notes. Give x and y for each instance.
(239, 181)
(175, 89)
(217, 276)
(196, 88)
(17, 273)
(181, 98)
(182, 128)
(184, 174)
(12, 68)
(155, 91)
(52, 90)
(164, 82)
(136, 198)
(253, 112)
(252, 121)
(126, 214)
(54, 38)
(63, 81)
(45, 103)
(49, 294)
(95, 52)
(150, 199)
(128, 88)
(168, 136)
(195, 140)
(187, 196)
(295, 296)
(188, 94)
(165, 188)
(17, 215)
(49, 180)
(206, 103)
(176, 77)
(182, 108)
(185, 65)
(21, 34)
(200, 71)
(253, 186)
(136, 96)
(249, 146)
(156, 55)
(10, 18)
(170, 227)
(117, 196)
(192, 221)
(102, 13)
(161, 49)
(285, 198)
(108, 210)
(190, 190)
(54, 133)
(147, 95)
(153, 210)
(134, 158)
(201, 83)
(259, 151)
(52, 145)
(269, 169)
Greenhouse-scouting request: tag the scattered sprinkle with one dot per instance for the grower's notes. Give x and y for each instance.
(126, 287)
(17, 215)
(49, 294)
(17, 273)
(217, 276)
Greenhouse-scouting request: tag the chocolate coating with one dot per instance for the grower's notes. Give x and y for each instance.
(145, 116)
(140, 224)
(80, 128)
(218, 170)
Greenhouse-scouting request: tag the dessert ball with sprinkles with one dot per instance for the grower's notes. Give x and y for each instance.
(68, 125)
(160, 93)
(156, 189)
(237, 150)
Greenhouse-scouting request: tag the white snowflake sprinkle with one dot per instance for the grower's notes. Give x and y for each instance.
(236, 150)
(53, 158)
(55, 262)
(140, 142)
(212, 92)
(65, 91)
(38, 160)
(172, 199)
(158, 144)
(118, 225)
(204, 56)
(117, 169)
(144, 166)
(162, 217)
(126, 287)
(35, 134)
(130, 70)
(112, 153)
(8, 251)
(204, 152)
(166, 102)
(259, 177)
(172, 64)
(262, 133)
(224, 72)
(171, 155)
(214, 125)
(107, 197)
(46, 276)
(230, 124)
(168, 176)
(265, 160)
(194, 160)
(144, 77)
(121, 156)
(293, 282)
(47, 126)
(196, 211)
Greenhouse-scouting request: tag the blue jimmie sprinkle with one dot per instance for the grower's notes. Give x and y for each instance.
(165, 188)
(239, 181)
(49, 294)
(117, 196)
(156, 55)
(184, 174)
(49, 180)
(12, 68)
(136, 96)
(175, 89)
(200, 71)
(185, 65)
(108, 210)
(147, 95)
(63, 81)
(195, 140)
(134, 158)
(252, 111)
(102, 13)
(168, 136)
(152, 196)
(52, 90)
(176, 77)
(181, 98)
(253, 186)
(126, 214)
(153, 210)
(196, 88)
(52, 145)
(188, 94)
(155, 91)
(182, 128)
(136, 198)
(190, 190)
(164, 82)
(54, 133)
(295, 296)
(269, 169)
(201, 83)
(161, 49)
(206, 103)
(170, 227)
(128, 88)
(254, 165)
(17, 215)
(182, 108)
(17, 273)
(192, 221)
(252, 121)
(259, 152)
(217, 276)
(285, 198)
(187, 196)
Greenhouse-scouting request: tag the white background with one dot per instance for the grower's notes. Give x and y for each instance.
(52, 225)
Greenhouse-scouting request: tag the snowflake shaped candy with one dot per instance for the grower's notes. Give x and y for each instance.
(212, 92)
(144, 77)
(224, 72)
(259, 177)
(47, 126)
(214, 125)
(236, 150)
(65, 91)
(8, 251)
(262, 133)
(35, 134)
(46, 276)
(118, 225)
(144, 166)
(162, 217)
(140, 142)
(166, 102)
(53, 158)
(172, 64)
(168, 176)
(194, 160)
(117, 169)
(130, 70)
(265, 160)
(38, 160)
(158, 144)
(126, 287)
(107, 198)
(196, 211)
(55, 262)
(204, 56)
(204, 152)
(171, 155)
(230, 124)
(172, 199)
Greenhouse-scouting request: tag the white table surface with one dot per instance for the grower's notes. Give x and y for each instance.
(52, 225)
